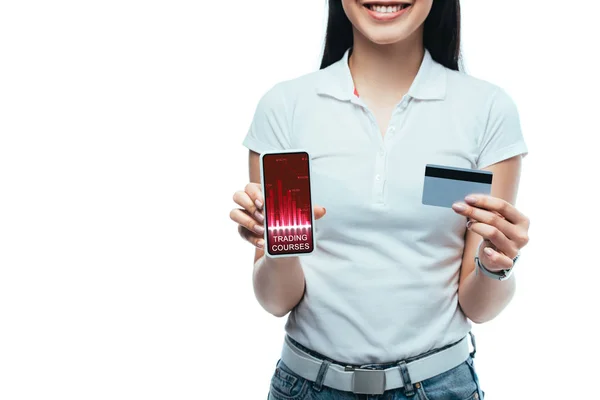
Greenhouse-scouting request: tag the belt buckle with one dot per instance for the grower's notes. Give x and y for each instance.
(368, 381)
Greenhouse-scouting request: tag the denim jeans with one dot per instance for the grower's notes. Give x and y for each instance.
(459, 383)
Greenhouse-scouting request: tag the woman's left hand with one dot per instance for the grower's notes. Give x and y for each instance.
(504, 229)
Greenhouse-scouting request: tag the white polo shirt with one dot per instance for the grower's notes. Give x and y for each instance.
(382, 284)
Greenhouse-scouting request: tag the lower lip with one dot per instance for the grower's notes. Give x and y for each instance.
(386, 16)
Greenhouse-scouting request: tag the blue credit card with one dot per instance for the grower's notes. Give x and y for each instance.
(446, 185)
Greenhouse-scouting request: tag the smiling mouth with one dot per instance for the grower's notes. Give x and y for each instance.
(385, 8)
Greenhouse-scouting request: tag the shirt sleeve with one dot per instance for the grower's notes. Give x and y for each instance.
(270, 128)
(502, 138)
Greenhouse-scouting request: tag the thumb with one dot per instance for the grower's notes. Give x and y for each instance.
(319, 212)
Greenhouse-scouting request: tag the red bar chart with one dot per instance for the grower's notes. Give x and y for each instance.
(286, 208)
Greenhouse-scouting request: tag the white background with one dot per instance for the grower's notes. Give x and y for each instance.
(121, 124)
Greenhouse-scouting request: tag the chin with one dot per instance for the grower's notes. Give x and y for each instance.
(385, 39)
(387, 35)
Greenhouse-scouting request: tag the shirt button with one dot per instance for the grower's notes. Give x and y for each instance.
(391, 129)
(381, 153)
(377, 177)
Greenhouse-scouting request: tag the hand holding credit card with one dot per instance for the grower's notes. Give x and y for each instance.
(444, 185)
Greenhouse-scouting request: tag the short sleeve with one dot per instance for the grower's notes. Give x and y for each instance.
(270, 128)
(502, 137)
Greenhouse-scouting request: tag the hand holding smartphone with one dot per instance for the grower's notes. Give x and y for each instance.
(288, 208)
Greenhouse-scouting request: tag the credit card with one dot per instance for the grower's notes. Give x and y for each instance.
(446, 185)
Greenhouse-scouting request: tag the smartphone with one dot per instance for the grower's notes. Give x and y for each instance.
(288, 208)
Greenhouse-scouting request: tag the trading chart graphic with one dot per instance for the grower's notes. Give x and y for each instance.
(288, 208)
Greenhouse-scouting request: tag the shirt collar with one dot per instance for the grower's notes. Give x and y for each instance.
(429, 84)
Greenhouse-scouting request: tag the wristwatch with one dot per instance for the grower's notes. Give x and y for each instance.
(501, 275)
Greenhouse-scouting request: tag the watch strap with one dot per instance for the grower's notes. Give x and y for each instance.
(498, 275)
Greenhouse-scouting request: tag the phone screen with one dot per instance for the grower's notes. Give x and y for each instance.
(288, 204)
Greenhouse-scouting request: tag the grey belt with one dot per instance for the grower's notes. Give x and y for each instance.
(372, 381)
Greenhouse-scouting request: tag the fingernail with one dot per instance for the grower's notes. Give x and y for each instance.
(260, 244)
(258, 203)
(488, 251)
(259, 229)
(471, 199)
(459, 207)
(259, 217)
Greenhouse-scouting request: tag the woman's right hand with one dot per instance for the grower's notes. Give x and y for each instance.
(250, 218)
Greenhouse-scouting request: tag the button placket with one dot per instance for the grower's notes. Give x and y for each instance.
(395, 123)
(380, 178)
(380, 170)
(381, 155)
(380, 158)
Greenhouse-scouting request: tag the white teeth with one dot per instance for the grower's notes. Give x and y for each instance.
(387, 9)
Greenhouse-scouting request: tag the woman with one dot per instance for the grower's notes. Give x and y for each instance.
(383, 307)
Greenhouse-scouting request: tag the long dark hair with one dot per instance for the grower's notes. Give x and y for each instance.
(441, 33)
